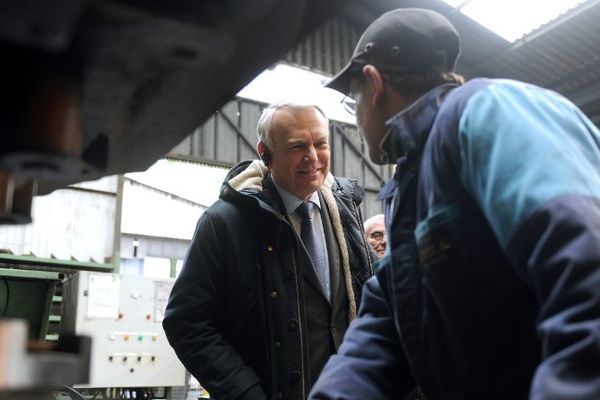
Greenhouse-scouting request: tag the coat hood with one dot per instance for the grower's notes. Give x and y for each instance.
(247, 178)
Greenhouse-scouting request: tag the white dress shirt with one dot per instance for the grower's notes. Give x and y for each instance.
(292, 202)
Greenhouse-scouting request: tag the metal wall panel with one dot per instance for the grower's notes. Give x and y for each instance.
(250, 112)
(226, 137)
(72, 224)
(350, 158)
(149, 246)
(327, 49)
(149, 220)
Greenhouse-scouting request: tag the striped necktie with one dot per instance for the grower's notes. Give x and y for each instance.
(314, 245)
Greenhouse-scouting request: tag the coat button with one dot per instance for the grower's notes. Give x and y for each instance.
(277, 344)
(274, 294)
(293, 325)
(280, 395)
(295, 377)
(270, 248)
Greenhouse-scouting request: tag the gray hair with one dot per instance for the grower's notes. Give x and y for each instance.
(264, 122)
(378, 218)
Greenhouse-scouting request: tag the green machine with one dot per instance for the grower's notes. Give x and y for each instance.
(30, 295)
(31, 289)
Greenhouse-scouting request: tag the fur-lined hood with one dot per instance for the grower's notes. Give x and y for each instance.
(247, 178)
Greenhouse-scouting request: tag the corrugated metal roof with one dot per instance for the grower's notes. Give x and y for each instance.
(562, 55)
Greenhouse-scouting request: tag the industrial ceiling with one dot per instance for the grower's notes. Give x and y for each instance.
(563, 55)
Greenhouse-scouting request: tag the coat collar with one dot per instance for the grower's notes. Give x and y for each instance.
(407, 134)
(408, 130)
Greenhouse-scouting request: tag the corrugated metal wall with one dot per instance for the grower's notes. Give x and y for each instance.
(75, 224)
(328, 49)
(161, 207)
(349, 157)
(225, 138)
(229, 136)
(153, 212)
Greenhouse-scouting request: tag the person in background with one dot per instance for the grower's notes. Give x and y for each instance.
(492, 285)
(375, 234)
(274, 272)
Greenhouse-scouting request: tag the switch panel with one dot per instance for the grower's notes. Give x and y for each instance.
(123, 315)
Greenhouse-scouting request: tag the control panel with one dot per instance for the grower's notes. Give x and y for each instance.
(123, 315)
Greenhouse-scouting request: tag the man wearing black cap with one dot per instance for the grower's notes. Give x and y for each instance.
(492, 285)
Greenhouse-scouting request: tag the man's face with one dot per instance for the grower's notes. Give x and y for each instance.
(369, 119)
(376, 236)
(300, 154)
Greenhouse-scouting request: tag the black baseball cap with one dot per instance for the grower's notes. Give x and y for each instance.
(405, 40)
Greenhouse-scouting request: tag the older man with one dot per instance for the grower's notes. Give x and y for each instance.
(275, 269)
(375, 234)
(492, 288)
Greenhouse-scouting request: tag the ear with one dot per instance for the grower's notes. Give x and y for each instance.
(263, 152)
(260, 147)
(375, 83)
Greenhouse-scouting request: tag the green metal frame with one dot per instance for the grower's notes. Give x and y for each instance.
(55, 262)
(28, 295)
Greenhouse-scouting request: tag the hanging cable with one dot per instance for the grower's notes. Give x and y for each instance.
(74, 394)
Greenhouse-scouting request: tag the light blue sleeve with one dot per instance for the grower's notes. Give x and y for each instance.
(522, 146)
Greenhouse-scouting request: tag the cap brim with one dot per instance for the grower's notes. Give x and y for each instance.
(341, 81)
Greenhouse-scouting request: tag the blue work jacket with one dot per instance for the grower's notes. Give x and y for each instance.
(491, 285)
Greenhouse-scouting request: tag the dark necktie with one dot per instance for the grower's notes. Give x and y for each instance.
(314, 245)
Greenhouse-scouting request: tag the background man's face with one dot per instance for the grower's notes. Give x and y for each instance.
(375, 234)
(300, 154)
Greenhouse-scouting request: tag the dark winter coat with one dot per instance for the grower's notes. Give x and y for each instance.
(236, 317)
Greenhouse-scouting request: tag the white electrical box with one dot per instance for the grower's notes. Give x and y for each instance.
(123, 315)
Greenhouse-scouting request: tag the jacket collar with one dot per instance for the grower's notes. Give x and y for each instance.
(408, 130)
(249, 176)
(407, 134)
(292, 202)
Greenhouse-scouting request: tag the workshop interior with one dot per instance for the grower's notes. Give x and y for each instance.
(97, 91)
